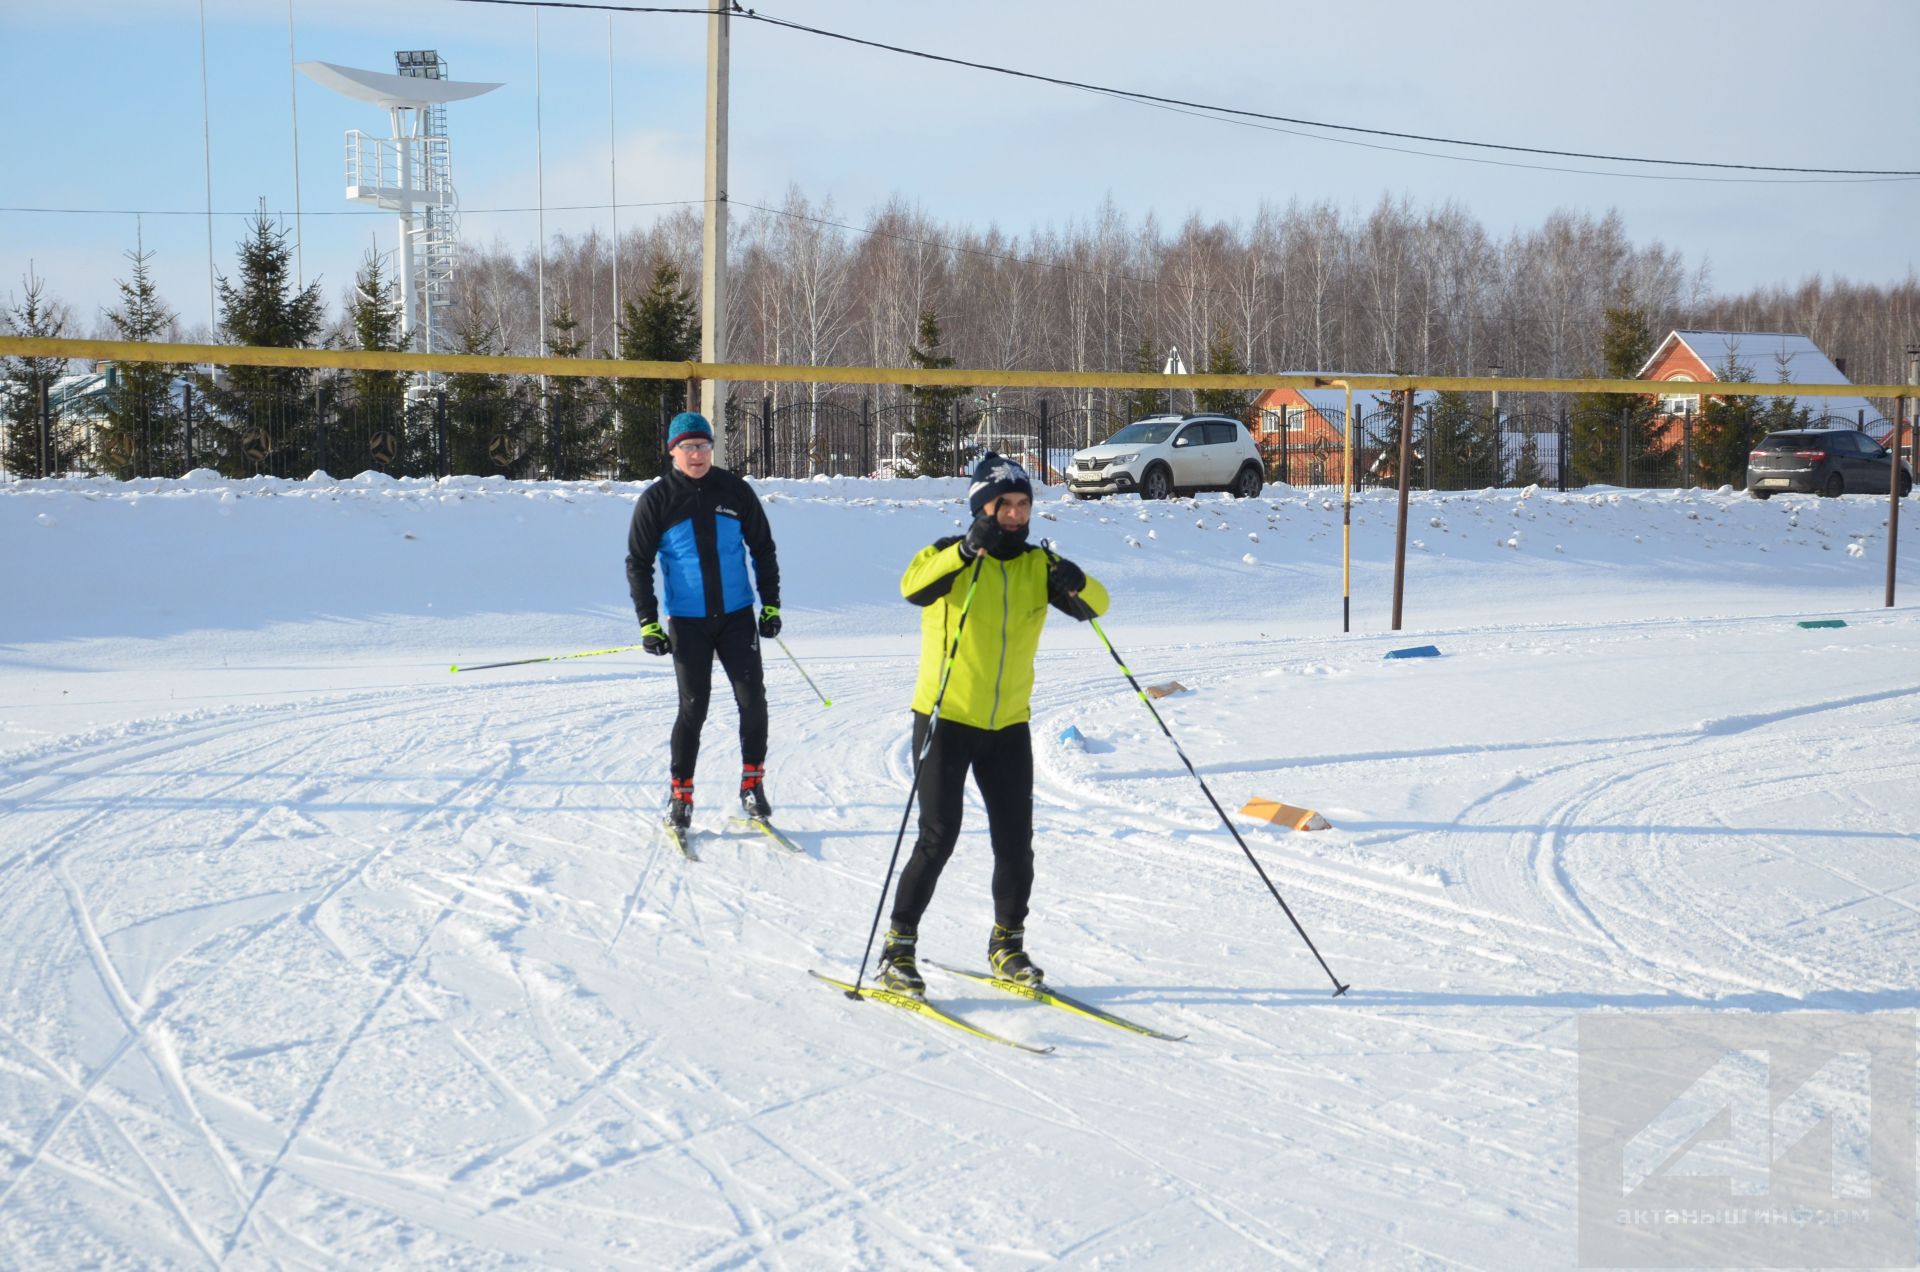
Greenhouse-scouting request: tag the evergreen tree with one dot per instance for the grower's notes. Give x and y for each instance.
(932, 404)
(1462, 444)
(1138, 404)
(260, 416)
(576, 412)
(1597, 421)
(663, 326)
(491, 426)
(1222, 360)
(374, 318)
(143, 435)
(1527, 469)
(25, 378)
(1728, 428)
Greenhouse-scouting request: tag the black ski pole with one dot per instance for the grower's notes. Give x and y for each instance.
(933, 722)
(1338, 988)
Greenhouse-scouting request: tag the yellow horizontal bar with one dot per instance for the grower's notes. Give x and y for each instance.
(614, 368)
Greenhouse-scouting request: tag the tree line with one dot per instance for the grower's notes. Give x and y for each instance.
(1308, 286)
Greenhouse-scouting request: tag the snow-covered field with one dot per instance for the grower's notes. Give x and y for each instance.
(317, 955)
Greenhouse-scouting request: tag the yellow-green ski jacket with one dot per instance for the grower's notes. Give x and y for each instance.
(992, 681)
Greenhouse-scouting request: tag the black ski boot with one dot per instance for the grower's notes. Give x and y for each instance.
(753, 792)
(898, 970)
(680, 805)
(1007, 956)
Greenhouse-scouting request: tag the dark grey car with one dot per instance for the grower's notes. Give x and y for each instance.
(1826, 461)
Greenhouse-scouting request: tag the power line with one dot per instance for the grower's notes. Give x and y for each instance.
(570, 207)
(1235, 113)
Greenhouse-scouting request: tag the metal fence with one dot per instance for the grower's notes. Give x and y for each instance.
(585, 430)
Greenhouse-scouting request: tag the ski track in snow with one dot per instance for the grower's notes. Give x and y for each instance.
(350, 976)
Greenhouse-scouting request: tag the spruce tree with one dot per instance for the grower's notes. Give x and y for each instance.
(1138, 404)
(662, 326)
(374, 319)
(143, 435)
(26, 377)
(933, 449)
(261, 417)
(1597, 421)
(1527, 469)
(1728, 428)
(1462, 444)
(1222, 360)
(576, 410)
(491, 427)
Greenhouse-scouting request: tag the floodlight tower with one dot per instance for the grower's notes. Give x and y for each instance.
(409, 172)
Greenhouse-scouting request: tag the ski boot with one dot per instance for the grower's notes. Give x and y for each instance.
(680, 805)
(1007, 956)
(753, 792)
(898, 970)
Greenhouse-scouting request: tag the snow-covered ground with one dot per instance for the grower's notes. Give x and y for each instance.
(319, 955)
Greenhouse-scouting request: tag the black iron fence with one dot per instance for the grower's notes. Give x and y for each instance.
(581, 430)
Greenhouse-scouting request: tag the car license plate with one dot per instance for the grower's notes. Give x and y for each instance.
(1775, 481)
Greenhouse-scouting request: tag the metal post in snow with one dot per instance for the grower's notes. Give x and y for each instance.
(46, 432)
(1560, 457)
(1893, 497)
(1686, 449)
(1400, 538)
(186, 402)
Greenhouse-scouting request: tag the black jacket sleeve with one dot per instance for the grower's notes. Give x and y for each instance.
(643, 544)
(758, 533)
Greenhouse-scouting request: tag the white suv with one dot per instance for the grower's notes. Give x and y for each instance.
(1165, 455)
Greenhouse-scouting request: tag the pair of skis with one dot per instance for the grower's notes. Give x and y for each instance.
(1033, 993)
(683, 839)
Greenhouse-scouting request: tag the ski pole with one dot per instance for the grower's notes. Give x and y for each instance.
(521, 662)
(824, 700)
(1338, 988)
(933, 722)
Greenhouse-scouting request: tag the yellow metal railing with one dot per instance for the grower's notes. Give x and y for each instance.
(614, 368)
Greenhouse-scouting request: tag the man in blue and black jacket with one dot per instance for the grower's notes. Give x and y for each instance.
(701, 523)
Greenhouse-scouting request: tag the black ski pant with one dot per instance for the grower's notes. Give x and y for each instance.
(735, 640)
(1002, 765)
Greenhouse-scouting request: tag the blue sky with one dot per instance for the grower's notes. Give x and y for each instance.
(103, 100)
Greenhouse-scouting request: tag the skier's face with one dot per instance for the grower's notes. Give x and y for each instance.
(693, 458)
(1012, 510)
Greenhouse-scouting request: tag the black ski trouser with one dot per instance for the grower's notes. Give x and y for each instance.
(736, 641)
(1002, 764)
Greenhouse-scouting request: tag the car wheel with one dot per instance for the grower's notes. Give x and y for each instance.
(1834, 488)
(1761, 494)
(1906, 484)
(1247, 484)
(1157, 484)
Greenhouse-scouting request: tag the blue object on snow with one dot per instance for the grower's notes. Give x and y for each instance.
(1415, 651)
(1072, 734)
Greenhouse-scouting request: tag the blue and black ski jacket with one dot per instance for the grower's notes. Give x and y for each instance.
(701, 532)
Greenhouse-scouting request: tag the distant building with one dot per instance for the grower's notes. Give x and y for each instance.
(1688, 358)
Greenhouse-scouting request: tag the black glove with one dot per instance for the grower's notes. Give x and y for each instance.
(984, 535)
(654, 637)
(769, 621)
(1064, 578)
(1064, 582)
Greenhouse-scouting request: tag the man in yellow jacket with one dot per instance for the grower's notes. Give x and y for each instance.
(1004, 585)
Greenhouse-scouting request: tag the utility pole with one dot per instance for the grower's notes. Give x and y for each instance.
(713, 242)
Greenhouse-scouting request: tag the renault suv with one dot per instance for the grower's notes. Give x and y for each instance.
(1166, 455)
(1826, 461)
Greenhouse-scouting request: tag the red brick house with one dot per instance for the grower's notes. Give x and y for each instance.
(1688, 358)
(1309, 426)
